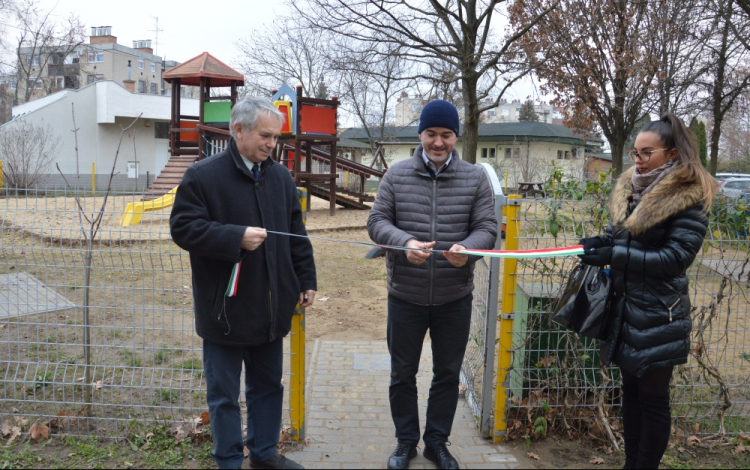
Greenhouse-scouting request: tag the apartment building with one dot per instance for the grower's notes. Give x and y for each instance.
(409, 108)
(137, 67)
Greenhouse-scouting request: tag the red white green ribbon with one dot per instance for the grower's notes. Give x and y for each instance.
(518, 254)
(232, 287)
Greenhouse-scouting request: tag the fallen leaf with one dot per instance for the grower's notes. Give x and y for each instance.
(15, 432)
(745, 437)
(38, 430)
(179, 435)
(285, 437)
(149, 435)
(6, 428)
(597, 461)
(205, 418)
(546, 361)
(97, 385)
(533, 456)
(72, 454)
(3, 326)
(14, 410)
(21, 422)
(697, 428)
(680, 449)
(323, 299)
(741, 449)
(80, 380)
(246, 451)
(693, 441)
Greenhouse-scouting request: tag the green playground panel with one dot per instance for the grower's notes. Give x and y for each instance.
(217, 111)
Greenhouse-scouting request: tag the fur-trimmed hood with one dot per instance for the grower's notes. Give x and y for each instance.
(675, 193)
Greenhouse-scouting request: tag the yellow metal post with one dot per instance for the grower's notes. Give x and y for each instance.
(93, 178)
(297, 338)
(505, 340)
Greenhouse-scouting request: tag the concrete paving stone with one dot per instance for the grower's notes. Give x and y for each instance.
(324, 431)
(378, 424)
(345, 408)
(501, 458)
(346, 440)
(342, 457)
(473, 450)
(326, 465)
(314, 422)
(360, 431)
(321, 447)
(305, 456)
(485, 465)
(375, 458)
(361, 465)
(375, 409)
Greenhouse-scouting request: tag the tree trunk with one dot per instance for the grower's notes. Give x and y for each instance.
(471, 118)
(717, 96)
(617, 144)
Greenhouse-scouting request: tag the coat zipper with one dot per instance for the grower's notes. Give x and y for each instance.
(270, 292)
(432, 235)
(673, 306)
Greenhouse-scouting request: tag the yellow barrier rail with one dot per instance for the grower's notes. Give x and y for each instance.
(505, 340)
(297, 349)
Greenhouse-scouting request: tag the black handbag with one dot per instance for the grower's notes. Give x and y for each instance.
(583, 306)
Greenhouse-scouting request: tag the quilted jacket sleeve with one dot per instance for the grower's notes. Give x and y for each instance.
(381, 224)
(682, 241)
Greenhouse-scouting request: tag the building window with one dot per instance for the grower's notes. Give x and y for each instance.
(141, 86)
(516, 153)
(140, 64)
(567, 155)
(32, 59)
(13, 85)
(71, 58)
(60, 82)
(491, 112)
(153, 67)
(559, 154)
(506, 112)
(35, 84)
(161, 130)
(153, 88)
(96, 57)
(415, 108)
(507, 153)
(492, 153)
(484, 153)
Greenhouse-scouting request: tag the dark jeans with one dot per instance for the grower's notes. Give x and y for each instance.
(263, 395)
(646, 417)
(449, 330)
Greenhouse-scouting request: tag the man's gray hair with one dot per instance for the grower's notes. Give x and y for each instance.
(246, 111)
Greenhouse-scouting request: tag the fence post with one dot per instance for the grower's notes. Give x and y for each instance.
(297, 349)
(507, 316)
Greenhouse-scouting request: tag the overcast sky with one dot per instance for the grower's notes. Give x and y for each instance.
(188, 31)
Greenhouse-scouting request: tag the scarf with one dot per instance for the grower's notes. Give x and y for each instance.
(643, 184)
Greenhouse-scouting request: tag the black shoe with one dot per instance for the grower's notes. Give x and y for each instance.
(401, 456)
(440, 455)
(277, 461)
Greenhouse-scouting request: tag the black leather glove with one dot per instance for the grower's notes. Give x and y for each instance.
(597, 256)
(594, 242)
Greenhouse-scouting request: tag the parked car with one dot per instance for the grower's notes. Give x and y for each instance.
(733, 187)
(745, 195)
(725, 176)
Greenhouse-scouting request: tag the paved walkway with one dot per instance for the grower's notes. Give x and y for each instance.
(349, 422)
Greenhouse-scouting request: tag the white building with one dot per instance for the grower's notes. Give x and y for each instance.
(102, 109)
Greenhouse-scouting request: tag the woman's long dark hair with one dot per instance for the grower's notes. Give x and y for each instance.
(675, 135)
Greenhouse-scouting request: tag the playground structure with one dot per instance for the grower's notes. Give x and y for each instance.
(310, 130)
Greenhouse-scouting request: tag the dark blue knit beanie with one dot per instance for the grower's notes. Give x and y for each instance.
(439, 113)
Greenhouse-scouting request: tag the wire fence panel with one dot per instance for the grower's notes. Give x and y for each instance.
(144, 359)
(556, 375)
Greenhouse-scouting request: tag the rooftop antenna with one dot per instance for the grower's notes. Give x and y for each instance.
(156, 32)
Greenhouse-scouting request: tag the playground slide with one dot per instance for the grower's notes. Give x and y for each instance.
(135, 210)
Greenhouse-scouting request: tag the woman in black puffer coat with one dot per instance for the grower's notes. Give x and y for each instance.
(658, 222)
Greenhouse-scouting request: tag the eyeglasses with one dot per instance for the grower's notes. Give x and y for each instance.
(645, 156)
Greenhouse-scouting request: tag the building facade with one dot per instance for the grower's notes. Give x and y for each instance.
(102, 110)
(526, 150)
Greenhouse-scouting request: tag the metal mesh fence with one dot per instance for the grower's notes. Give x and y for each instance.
(145, 361)
(555, 374)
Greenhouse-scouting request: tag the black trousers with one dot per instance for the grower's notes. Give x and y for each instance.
(646, 417)
(449, 331)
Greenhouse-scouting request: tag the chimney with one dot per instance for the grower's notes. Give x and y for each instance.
(143, 45)
(101, 35)
(129, 84)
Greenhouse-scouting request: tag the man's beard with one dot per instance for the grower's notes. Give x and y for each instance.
(440, 160)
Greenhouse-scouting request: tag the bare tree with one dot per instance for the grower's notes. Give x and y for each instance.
(89, 224)
(728, 74)
(27, 150)
(284, 53)
(601, 62)
(682, 29)
(462, 34)
(735, 140)
(41, 42)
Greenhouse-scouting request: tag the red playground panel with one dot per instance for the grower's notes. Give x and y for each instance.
(318, 120)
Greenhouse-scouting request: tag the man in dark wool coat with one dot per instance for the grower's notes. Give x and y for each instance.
(246, 282)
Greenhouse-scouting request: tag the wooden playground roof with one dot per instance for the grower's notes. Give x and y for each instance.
(204, 65)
